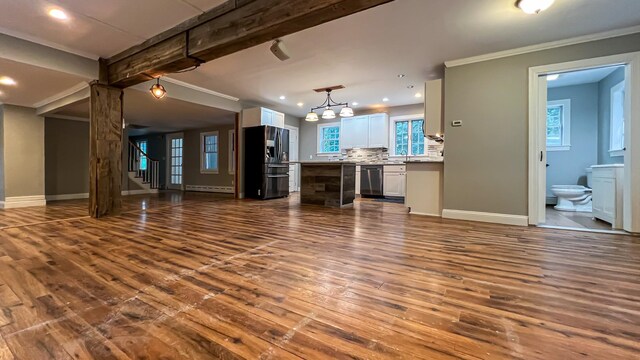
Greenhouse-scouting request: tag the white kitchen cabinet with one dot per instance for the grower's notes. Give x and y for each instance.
(358, 177)
(262, 116)
(355, 132)
(424, 188)
(394, 180)
(607, 191)
(368, 131)
(378, 131)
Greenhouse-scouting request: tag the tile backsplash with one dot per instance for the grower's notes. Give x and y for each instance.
(376, 155)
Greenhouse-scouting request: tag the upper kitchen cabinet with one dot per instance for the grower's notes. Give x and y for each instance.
(367, 131)
(433, 107)
(262, 116)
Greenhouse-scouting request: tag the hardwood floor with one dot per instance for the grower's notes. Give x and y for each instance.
(208, 277)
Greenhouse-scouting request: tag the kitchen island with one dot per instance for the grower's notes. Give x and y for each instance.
(330, 183)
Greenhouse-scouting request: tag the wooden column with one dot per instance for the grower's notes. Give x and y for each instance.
(105, 161)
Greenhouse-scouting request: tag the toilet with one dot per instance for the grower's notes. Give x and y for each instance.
(574, 197)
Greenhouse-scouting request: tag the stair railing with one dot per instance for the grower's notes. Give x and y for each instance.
(137, 157)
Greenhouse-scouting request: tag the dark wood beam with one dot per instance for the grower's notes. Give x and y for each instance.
(236, 25)
(105, 147)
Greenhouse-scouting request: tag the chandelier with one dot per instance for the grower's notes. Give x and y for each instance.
(328, 106)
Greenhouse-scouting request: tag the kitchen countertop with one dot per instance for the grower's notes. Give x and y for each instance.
(323, 162)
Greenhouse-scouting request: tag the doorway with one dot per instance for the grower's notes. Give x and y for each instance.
(582, 163)
(294, 172)
(175, 145)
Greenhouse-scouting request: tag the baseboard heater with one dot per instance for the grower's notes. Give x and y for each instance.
(211, 189)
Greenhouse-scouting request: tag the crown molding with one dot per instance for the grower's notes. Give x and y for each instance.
(544, 46)
(198, 88)
(63, 94)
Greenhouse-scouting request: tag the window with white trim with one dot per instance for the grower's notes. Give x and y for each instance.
(559, 125)
(329, 138)
(209, 152)
(407, 136)
(142, 145)
(616, 142)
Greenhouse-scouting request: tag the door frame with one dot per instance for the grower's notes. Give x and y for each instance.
(537, 134)
(168, 138)
(297, 130)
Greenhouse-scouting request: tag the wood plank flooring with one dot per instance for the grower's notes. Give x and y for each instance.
(209, 277)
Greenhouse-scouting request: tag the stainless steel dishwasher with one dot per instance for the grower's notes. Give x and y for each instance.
(371, 181)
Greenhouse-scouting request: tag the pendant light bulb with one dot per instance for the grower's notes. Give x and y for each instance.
(534, 6)
(158, 91)
(346, 112)
(329, 114)
(312, 117)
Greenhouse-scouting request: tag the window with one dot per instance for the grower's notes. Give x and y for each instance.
(142, 145)
(408, 135)
(329, 138)
(209, 152)
(559, 125)
(616, 142)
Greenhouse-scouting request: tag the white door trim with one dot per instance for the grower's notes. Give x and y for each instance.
(168, 138)
(537, 136)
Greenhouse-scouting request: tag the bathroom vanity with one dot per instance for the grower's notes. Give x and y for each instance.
(608, 191)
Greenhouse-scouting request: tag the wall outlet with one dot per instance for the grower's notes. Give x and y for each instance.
(456, 123)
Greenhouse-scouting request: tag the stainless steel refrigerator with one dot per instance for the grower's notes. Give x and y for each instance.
(266, 170)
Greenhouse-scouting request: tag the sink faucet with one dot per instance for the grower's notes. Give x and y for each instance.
(406, 155)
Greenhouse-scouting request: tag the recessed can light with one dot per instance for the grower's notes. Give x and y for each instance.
(283, 97)
(410, 87)
(385, 99)
(58, 14)
(418, 95)
(300, 104)
(355, 103)
(5, 80)
(401, 76)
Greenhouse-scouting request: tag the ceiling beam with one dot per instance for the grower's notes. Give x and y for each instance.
(233, 26)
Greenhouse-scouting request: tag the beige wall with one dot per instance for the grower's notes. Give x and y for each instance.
(66, 156)
(1, 152)
(486, 158)
(309, 130)
(191, 161)
(23, 133)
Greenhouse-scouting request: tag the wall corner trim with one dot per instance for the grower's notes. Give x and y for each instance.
(506, 219)
(23, 201)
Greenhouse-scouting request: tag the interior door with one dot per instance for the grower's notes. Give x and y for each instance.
(175, 145)
(541, 154)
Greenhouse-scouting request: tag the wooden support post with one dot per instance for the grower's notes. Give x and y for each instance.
(105, 165)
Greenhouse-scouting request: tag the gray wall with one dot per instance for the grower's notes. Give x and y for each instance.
(1, 152)
(23, 133)
(604, 128)
(66, 156)
(486, 158)
(157, 150)
(569, 167)
(192, 175)
(309, 130)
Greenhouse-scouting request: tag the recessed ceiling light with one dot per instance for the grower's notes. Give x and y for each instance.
(355, 103)
(401, 76)
(410, 87)
(385, 99)
(58, 14)
(553, 77)
(283, 97)
(300, 104)
(418, 95)
(5, 80)
(534, 6)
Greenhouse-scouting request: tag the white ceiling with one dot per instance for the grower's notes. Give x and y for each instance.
(33, 83)
(365, 52)
(582, 77)
(164, 115)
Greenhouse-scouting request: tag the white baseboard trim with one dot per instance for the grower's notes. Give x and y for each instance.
(211, 189)
(506, 219)
(139, 192)
(424, 214)
(67, 197)
(23, 201)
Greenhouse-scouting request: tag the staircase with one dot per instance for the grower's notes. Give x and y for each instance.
(143, 170)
